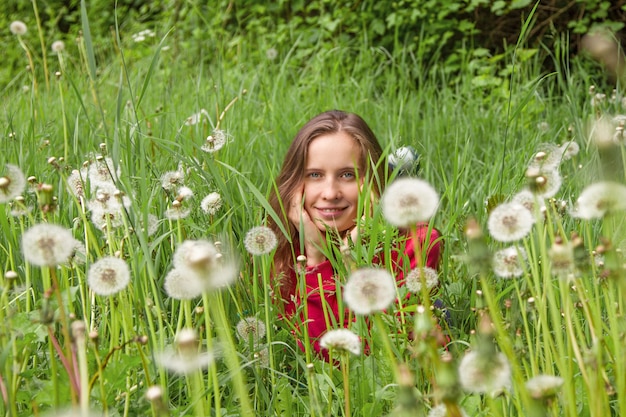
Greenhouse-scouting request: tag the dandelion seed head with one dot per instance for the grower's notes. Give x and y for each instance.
(544, 182)
(404, 159)
(531, 201)
(76, 183)
(186, 356)
(415, 276)
(509, 222)
(197, 117)
(369, 290)
(561, 255)
(569, 150)
(271, 54)
(46, 244)
(184, 193)
(180, 284)
(341, 340)
(211, 203)
(58, 46)
(196, 255)
(408, 201)
(600, 198)
(602, 134)
(171, 180)
(485, 374)
(152, 225)
(260, 240)
(18, 28)
(507, 263)
(177, 212)
(154, 393)
(251, 328)
(104, 219)
(79, 253)
(102, 170)
(201, 257)
(108, 276)
(12, 184)
(263, 356)
(544, 386)
(215, 141)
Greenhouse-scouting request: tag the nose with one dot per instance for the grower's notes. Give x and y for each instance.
(332, 190)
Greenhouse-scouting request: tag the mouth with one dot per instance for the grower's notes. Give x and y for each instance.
(330, 212)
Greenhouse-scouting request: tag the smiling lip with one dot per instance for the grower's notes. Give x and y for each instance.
(330, 212)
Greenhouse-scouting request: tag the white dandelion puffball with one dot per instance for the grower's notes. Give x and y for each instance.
(18, 28)
(404, 158)
(12, 184)
(185, 356)
(569, 150)
(600, 198)
(211, 203)
(198, 255)
(103, 171)
(58, 46)
(485, 374)
(546, 183)
(415, 276)
(260, 240)
(197, 117)
(341, 340)
(531, 201)
(215, 141)
(182, 285)
(507, 263)
(202, 259)
(407, 201)
(171, 180)
(509, 222)
(47, 244)
(544, 386)
(369, 290)
(251, 328)
(108, 276)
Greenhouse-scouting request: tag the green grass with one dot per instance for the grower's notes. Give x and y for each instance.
(475, 143)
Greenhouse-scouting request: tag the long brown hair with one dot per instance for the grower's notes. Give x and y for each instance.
(292, 175)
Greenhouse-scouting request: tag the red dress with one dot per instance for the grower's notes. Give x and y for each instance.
(323, 300)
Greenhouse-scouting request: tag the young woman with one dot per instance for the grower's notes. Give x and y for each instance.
(317, 193)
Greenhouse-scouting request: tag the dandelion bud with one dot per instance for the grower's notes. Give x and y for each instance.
(32, 179)
(142, 339)
(78, 330)
(57, 74)
(93, 335)
(301, 259)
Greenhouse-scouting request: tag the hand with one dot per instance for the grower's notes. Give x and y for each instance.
(312, 236)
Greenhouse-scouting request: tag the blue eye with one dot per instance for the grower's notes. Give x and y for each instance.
(314, 175)
(348, 175)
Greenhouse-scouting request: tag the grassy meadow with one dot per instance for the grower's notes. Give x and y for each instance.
(549, 338)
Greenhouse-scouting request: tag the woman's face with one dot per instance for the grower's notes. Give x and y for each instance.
(331, 188)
